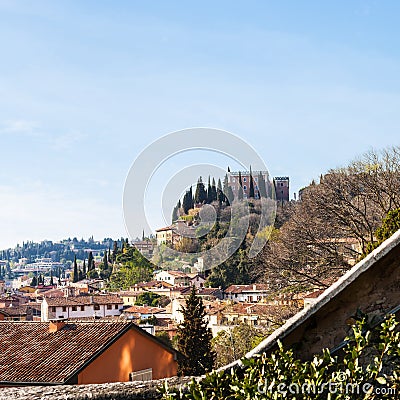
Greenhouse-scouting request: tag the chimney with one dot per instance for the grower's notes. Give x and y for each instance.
(56, 325)
(254, 287)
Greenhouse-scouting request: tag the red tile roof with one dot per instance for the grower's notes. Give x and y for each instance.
(247, 288)
(83, 300)
(144, 310)
(29, 353)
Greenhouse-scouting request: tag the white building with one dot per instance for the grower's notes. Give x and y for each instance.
(247, 293)
(99, 306)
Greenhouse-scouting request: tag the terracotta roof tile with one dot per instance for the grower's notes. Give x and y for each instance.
(30, 353)
(83, 300)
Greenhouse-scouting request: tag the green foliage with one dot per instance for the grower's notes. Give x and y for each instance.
(367, 369)
(235, 343)
(194, 339)
(132, 268)
(149, 299)
(164, 337)
(76, 275)
(200, 194)
(390, 225)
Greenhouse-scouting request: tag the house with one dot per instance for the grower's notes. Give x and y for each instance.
(175, 278)
(146, 247)
(99, 306)
(25, 312)
(144, 312)
(72, 352)
(167, 235)
(247, 293)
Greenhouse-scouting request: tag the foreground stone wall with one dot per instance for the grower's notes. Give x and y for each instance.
(107, 391)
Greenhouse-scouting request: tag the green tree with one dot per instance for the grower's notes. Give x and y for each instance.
(261, 185)
(84, 269)
(51, 278)
(194, 339)
(220, 193)
(209, 191)
(174, 214)
(240, 190)
(251, 186)
(200, 195)
(75, 276)
(90, 262)
(34, 281)
(148, 298)
(214, 190)
(390, 225)
(105, 261)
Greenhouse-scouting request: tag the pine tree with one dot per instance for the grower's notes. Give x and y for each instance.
(194, 339)
(75, 279)
(240, 190)
(251, 186)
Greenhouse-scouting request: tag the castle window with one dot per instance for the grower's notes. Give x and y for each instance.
(244, 179)
(244, 187)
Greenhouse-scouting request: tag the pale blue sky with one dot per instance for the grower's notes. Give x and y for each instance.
(86, 85)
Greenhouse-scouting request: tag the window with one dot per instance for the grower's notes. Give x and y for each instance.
(74, 308)
(82, 308)
(64, 309)
(256, 179)
(109, 306)
(142, 375)
(244, 187)
(244, 179)
(96, 307)
(53, 309)
(116, 306)
(281, 183)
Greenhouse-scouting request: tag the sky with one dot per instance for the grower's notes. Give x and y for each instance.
(85, 87)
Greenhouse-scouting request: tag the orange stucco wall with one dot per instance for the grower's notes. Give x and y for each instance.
(131, 352)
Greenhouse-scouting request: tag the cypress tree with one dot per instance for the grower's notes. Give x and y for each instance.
(186, 204)
(240, 190)
(75, 279)
(220, 193)
(90, 261)
(34, 281)
(209, 191)
(51, 278)
(175, 214)
(251, 186)
(105, 261)
(115, 251)
(194, 339)
(200, 195)
(261, 185)
(84, 269)
(214, 190)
